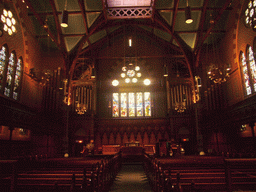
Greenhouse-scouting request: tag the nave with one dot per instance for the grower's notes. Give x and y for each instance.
(113, 173)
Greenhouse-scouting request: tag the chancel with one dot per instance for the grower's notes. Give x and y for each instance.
(127, 95)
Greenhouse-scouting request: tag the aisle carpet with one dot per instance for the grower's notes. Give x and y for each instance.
(131, 178)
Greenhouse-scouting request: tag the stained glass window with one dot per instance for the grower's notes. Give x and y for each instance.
(147, 104)
(10, 74)
(17, 79)
(123, 105)
(250, 14)
(2, 65)
(115, 105)
(139, 104)
(245, 74)
(132, 104)
(252, 67)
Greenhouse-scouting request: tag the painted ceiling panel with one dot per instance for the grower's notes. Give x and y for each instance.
(72, 5)
(191, 3)
(97, 36)
(146, 28)
(85, 45)
(71, 42)
(189, 38)
(167, 16)
(91, 17)
(164, 4)
(162, 34)
(94, 5)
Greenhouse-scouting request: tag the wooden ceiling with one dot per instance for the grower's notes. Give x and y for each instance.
(92, 21)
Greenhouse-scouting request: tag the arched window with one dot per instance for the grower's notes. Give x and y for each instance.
(10, 75)
(246, 77)
(17, 79)
(248, 66)
(252, 66)
(3, 53)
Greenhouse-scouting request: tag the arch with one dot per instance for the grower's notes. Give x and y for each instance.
(105, 139)
(159, 136)
(17, 79)
(132, 138)
(3, 65)
(245, 73)
(125, 138)
(152, 138)
(145, 140)
(251, 66)
(118, 139)
(139, 139)
(11, 66)
(111, 138)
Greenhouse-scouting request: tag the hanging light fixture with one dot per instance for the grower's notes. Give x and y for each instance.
(81, 108)
(188, 14)
(218, 72)
(64, 20)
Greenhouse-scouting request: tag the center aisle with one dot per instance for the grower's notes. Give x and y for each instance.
(131, 178)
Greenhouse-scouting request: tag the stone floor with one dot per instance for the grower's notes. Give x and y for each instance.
(131, 178)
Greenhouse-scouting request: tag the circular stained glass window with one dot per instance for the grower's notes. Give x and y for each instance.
(8, 22)
(130, 73)
(250, 16)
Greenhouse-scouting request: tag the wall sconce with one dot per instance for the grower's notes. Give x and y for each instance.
(130, 42)
(188, 14)
(93, 73)
(198, 84)
(64, 20)
(165, 71)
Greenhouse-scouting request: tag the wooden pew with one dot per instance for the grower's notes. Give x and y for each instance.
(65, 175)
(183, 174)
(240, 174)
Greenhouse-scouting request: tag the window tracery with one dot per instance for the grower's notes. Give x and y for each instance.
(10, 73)
(131, 104)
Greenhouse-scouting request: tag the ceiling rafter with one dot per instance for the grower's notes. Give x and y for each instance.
(81, 5)
(184, 47)
(104, 6)
(58, 27)
(174, 16)
(212, 26)
(42, 23)
(60, 13)
(201, 23)
(82, 8)
(85, 38)
(194, 9)
(140, 30)
(153, 5)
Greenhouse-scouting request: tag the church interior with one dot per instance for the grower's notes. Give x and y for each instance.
(90, 86)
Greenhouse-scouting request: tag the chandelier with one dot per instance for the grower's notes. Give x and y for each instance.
(81, 108)
(218, 71)
(180, 106)
(218, 74)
